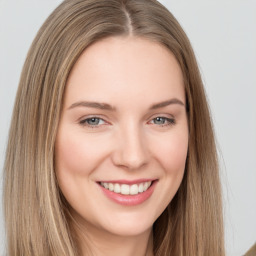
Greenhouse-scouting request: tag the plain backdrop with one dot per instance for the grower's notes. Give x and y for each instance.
(223, 34)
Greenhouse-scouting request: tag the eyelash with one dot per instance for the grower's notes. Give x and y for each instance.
(170, 121)
(84, 122)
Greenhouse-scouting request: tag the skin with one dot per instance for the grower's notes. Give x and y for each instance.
(130, 74)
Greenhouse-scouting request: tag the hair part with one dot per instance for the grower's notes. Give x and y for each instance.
(36, 213)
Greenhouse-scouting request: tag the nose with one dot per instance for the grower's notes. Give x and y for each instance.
(131, 149)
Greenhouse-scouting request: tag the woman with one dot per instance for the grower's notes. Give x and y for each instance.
(111, 148)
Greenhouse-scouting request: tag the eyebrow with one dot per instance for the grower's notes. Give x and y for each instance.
(167, 103)
(89, 104)
(105, 106)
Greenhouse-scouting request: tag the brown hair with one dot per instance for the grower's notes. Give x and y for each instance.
(36, 220)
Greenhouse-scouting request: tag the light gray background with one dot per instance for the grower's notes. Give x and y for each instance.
(223, 34)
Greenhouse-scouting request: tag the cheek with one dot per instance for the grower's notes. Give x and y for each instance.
(76, 157)
(76, 154)
(172, 152)
(71, 155)
(171, 155)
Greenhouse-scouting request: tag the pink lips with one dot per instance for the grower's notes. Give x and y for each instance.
(129, 200)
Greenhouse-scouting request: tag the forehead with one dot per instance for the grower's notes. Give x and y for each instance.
(125, 67)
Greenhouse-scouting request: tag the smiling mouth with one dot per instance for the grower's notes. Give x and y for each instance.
(128, 193)
(126, 189)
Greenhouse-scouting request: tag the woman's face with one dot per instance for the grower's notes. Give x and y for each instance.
(123, 135)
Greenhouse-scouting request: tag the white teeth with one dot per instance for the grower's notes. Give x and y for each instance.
(125, 189)
(134, 189)
(117, 188)
(146, 185)
(111, 186)
(141, 188)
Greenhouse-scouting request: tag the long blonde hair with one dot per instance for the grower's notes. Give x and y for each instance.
(35, 216)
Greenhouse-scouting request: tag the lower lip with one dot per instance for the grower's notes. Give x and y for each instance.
(129, 200)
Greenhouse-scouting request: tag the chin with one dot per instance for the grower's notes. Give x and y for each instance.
(129, 230)
(128, 224)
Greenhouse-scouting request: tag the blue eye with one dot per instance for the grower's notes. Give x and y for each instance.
(92, 122)
(163, 121)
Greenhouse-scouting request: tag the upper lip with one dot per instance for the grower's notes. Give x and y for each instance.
(128, 182)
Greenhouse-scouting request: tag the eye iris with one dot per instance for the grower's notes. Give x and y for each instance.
(93, 121)
(159, 120)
